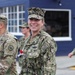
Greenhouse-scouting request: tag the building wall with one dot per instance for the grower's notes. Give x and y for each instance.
(6, 3)
(64, 47)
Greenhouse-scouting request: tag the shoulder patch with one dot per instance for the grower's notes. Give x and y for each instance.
(10, 47)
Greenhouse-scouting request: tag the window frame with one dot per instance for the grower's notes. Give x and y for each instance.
(5, 10)
(69, 38)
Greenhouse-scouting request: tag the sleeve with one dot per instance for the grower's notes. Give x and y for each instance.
(49, 44)
(73, 51)
(10, 48)
(49, 48)
(53, 46)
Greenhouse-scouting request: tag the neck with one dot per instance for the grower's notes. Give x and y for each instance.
(2, 31)
(35, 33)
(27, 35)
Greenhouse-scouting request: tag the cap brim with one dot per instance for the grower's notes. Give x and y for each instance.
(23, 26)
(35, 16)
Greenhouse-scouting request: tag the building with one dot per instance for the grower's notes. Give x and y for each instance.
(59, 18)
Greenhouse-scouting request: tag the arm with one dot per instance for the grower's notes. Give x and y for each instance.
(49, 47)
(9, 55)
(71, 53)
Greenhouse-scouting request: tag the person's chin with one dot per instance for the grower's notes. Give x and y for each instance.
(34, 30)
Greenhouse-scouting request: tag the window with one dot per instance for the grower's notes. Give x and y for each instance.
(58, 24)
(15, 15)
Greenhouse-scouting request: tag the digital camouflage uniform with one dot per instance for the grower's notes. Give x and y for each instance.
(22, 39)
(39, 55)
(8, 47)
(21, 43)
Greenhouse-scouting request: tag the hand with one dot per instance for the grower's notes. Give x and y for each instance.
(70, 55)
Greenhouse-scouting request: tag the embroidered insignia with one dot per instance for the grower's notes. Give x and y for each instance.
(10, 47)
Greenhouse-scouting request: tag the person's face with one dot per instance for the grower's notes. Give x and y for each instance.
(35, 24)
(1, 25)
(24, 30)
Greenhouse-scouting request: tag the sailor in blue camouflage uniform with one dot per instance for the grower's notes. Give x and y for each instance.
(8, 47)
(40, 48)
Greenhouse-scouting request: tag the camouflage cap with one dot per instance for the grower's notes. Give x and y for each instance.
(24, 25)
(3, 17)
(36, 12)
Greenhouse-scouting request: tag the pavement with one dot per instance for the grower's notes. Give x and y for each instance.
(64, 64)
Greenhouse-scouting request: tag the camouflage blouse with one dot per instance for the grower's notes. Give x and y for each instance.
(39, 55)
(8, 49)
